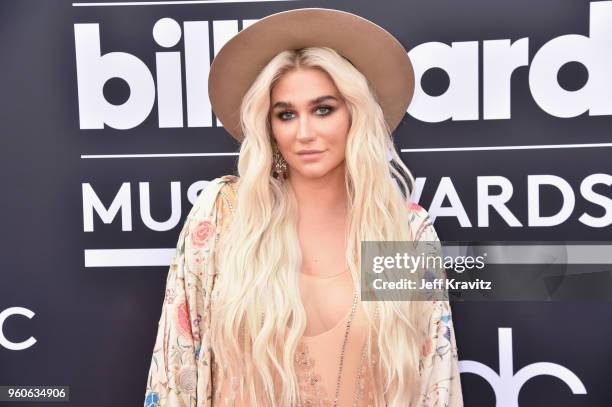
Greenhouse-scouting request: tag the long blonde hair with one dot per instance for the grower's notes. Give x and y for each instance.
(260, 317)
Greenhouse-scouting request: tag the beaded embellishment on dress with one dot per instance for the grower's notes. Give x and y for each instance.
(311, 390)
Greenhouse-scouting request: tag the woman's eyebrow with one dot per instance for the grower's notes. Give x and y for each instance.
(320, 99)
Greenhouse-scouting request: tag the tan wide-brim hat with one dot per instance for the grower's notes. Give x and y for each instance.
(376, 53)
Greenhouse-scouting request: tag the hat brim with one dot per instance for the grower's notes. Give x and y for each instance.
(371, 49)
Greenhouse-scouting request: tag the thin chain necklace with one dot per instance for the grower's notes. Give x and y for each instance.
(325, 277)
(343, 349)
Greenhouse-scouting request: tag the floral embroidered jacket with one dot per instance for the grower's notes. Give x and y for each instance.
(180, 370)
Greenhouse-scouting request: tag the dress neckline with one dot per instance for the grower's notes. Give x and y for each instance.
(324, 278)
(325, 333)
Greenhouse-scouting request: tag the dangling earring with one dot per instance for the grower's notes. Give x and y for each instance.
(279, 166)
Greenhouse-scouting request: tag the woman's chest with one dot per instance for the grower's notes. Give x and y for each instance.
(327, 301)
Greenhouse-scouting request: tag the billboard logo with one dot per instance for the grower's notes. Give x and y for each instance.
(459, 60)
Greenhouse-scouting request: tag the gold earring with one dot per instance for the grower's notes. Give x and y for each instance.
(279, 166)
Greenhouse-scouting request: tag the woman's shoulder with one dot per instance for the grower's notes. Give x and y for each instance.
(421, 223)
(417, 212)
(211, 194)
(415, 209)
(226, 198)
(229, 189)
(229, 179)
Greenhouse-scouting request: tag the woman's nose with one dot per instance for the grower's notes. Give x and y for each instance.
(305, 131)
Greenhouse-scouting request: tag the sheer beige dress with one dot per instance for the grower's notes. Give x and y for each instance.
(318, 355)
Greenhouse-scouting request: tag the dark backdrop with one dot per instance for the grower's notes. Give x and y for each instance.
(83, 182)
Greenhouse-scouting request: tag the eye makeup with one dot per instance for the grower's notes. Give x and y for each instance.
(330, 110)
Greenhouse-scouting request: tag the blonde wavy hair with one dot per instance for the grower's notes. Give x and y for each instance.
(260, 317)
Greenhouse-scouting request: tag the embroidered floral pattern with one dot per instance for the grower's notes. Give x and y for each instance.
(183, 321)
(202, 232)
(187, 378)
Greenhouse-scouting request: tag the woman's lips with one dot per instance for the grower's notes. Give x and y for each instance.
(310, 155)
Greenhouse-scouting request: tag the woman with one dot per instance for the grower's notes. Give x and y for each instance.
(262, 304)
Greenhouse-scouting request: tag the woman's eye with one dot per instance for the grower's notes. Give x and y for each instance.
(320, 111)
(284, 115)
(326, 110)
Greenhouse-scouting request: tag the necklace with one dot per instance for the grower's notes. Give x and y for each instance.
(342, 350)
(323, 278)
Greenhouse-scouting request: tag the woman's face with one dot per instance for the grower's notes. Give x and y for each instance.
(310, 122)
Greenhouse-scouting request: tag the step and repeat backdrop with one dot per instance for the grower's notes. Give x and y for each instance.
(108, 137)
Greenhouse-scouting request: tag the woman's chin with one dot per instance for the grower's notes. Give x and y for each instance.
(311, 173)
